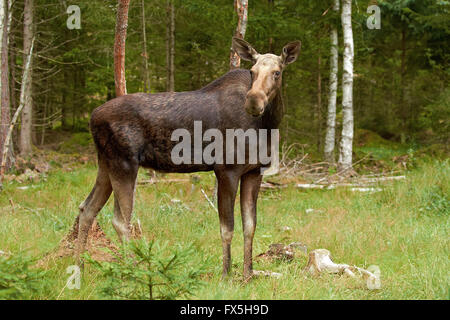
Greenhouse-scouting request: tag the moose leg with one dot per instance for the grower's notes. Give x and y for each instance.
(227, 188)
(250, 183)
(91, 206)
(123, 184)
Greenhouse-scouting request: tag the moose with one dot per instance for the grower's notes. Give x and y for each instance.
(134, 130)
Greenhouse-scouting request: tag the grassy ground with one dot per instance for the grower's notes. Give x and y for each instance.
(403, 229)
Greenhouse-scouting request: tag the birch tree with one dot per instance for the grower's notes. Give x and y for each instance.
(345, 152)
(25, 138)
(119, 47)
(331, 118)
(241, 8)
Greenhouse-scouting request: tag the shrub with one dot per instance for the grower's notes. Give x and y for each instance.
(18, 280)
(144, 270)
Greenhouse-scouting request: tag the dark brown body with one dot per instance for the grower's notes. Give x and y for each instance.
(135, 130)
(137, 127)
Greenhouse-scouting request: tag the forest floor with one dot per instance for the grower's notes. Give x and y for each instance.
(403, 228)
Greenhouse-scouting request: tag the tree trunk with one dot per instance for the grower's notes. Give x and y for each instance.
(331, 118)
(319, 101)
(23, 89)
(241, 7)
(170, 47)
(4, 72)
(119, 47)
(144, 54)
(345, 154)
(25, 139)
(403, 108)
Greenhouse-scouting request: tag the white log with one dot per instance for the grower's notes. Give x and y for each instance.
(320, 262)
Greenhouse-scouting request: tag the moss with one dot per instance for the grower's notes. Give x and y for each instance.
(76, 142)
(369, 142)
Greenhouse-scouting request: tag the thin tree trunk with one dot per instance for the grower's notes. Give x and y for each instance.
(331, 117)
(345, 154)
(168, 25)
(404, 109)
(4, 71)
(22, 103)
(119, 47)
(241, 8)
(319, 101)
(25, 139)
(170, 47)
(145, 55)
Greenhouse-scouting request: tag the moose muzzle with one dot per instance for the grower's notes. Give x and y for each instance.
(256, 103)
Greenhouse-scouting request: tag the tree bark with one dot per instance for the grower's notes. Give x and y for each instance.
(22, 104)
(25, 139)
(170, 47)
(145, 54)
(319, 100)
(119, 47)
(403, 108)
(345, 154)
(331, 117)
(241, 8)
(4, 72)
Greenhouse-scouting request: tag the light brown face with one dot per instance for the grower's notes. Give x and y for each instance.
(266, 73)
(266, 80)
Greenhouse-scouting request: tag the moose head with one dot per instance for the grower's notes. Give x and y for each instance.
(266, 73)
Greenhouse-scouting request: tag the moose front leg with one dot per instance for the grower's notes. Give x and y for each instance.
(250, 183)
(226, 196)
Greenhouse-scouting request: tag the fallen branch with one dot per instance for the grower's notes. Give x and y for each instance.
(154, 181)
(209, 200)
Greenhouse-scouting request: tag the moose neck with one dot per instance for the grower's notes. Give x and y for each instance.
(275, 112)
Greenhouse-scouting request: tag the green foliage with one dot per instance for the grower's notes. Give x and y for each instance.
(77, 140)
(435, 201)
(435, 119)
(145, 270)
(19, 279)
(394, 66)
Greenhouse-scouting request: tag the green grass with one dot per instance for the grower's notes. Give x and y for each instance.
(404, 230)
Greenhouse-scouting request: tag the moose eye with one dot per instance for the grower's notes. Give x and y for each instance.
(277, 74)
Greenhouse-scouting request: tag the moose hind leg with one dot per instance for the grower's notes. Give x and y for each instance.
(123, 184)
(250, 183)
(91, 206)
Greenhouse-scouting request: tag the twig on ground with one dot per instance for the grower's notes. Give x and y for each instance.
(209, 200)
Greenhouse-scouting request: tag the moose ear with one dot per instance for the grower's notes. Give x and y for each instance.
(290, 52)
(244, 50)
